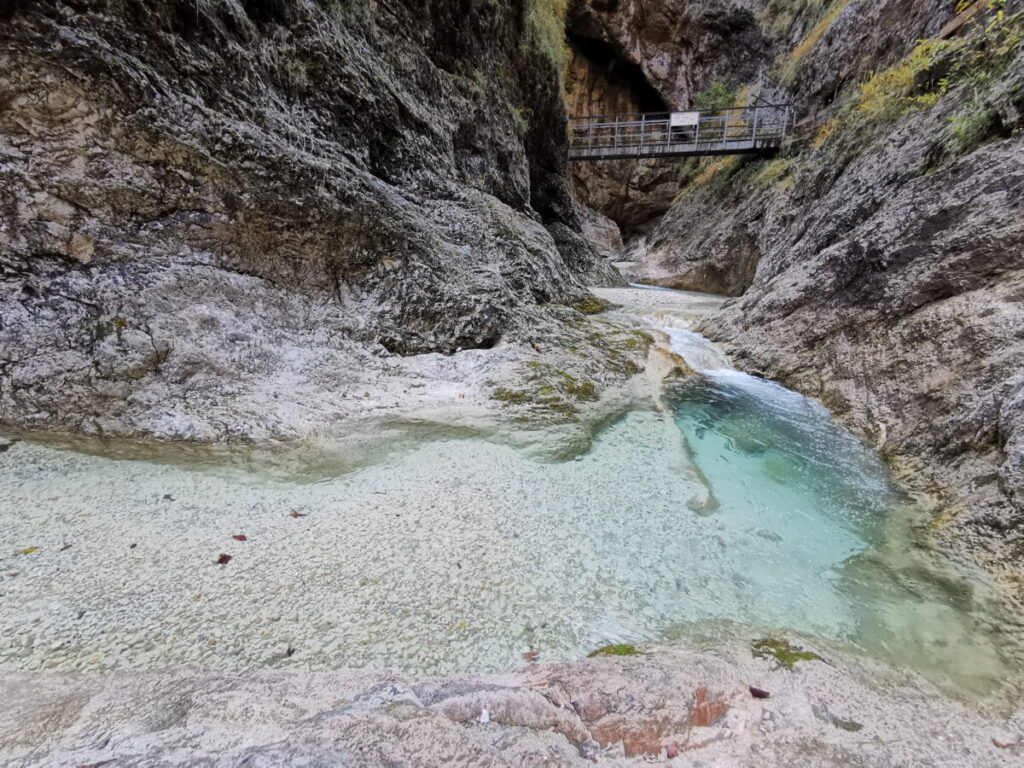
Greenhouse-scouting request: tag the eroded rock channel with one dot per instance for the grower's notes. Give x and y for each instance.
(332, 431)
(726, 511)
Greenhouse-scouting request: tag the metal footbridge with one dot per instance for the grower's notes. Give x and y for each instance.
(758, 128)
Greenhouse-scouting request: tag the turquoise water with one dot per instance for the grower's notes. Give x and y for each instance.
(820, 536)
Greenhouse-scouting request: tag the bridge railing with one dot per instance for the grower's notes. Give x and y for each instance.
(752, 128)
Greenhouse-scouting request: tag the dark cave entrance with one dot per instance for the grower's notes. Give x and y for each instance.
(618, 71)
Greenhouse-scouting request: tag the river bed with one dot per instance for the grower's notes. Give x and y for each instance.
(464, 555)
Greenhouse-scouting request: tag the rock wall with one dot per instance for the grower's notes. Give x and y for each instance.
(200, 197)
(879, 263)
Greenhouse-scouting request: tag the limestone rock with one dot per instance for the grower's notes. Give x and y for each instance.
(217, 219)
(615, 711)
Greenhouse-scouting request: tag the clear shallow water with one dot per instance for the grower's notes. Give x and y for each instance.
(833, 554)
(462, 555)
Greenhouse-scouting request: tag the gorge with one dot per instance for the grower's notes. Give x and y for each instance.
(342, 419)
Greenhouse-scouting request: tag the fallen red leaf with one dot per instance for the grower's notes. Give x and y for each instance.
(239, 537)
(671, 750)
(531, 656)
(223, 559)
(759, 693)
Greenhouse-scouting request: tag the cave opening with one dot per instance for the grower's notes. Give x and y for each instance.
(625, 74)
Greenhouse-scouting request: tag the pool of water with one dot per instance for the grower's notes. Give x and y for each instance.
(820, 538)
(464, 554)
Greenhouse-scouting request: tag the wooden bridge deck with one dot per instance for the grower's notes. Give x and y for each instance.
(756, 129)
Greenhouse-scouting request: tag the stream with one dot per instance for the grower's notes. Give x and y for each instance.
(464, 554)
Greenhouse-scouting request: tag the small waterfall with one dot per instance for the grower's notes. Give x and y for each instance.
(699, 353)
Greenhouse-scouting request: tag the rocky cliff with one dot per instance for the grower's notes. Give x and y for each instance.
(221, 218)
(878, 261)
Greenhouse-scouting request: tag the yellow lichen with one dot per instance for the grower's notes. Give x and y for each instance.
(824, 132)
(813, 37)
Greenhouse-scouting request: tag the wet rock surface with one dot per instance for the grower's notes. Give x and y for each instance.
(680, 706)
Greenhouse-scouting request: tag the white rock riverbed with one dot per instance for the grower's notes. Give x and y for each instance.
(435, 561)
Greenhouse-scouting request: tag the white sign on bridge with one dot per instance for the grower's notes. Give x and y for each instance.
(682, 119)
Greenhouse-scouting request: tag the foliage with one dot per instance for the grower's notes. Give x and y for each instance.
(825, 131)
(774, 172)
(710, 169)
(717, 96)
(547, 27)
(987, 51)
(895, 91)
(779, 16)
(971, 61)
(812, 38)
(972, 128)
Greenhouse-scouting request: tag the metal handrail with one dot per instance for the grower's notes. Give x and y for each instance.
(753, 128)
(619, 116)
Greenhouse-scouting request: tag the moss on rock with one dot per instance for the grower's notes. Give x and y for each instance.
(614, 650)
(784, 652)
(512, 396)
(591, 305)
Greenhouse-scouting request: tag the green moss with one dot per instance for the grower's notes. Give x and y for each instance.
(786, 654)
(557, 405)
(811, 40)
(580, 389)
(522, 117)
(591, 305)
(550, 391)
(780, 16)
(972, 61)
(106, 327)
(975, 126)
(547, 31)
(773, 173)
(615, 650)
(634, 341)
(512, 396)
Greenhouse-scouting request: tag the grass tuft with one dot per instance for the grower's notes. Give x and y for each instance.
(614, 650)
